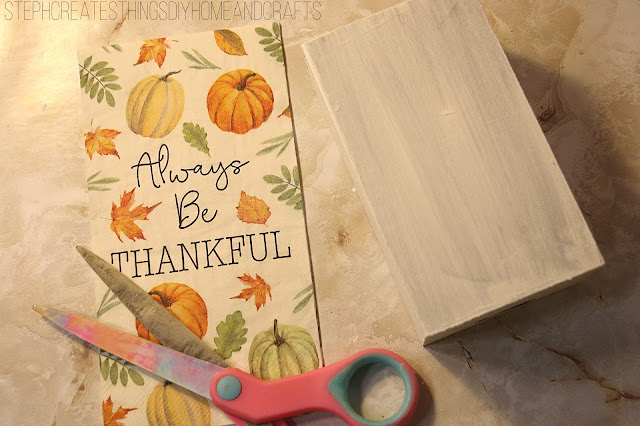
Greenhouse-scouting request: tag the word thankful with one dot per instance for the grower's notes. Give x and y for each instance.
(203, 254)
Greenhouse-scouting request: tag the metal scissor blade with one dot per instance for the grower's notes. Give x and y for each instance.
(165, 327)
(181, 369)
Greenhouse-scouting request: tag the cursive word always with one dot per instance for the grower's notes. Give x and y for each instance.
(159, 172)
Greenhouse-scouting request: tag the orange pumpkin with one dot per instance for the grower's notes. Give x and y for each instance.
(184, 303)
(239, 101)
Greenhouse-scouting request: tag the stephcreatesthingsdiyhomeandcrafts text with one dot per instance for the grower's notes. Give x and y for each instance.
(207, 253)
(159, 10)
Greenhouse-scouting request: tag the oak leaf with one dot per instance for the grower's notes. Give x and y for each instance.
(196, 136)
(122, 217)
(258, 289)
(252, 209)
(110, 417)
(101, 142)
(153, 50)
(231, 334)
(229, 42)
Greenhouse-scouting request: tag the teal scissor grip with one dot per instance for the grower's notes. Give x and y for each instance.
(339, 385)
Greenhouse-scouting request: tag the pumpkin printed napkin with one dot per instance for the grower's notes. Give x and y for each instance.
(195, 193)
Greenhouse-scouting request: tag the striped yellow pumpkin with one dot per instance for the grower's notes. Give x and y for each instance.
(169, 404)
(155, 106)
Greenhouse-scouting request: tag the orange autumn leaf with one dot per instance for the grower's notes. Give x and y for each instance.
(101, 141)
(153, 50)
(258, 289)
(252, 209)
(110, 417)
(122, 217)
(286, 112)
(229, 42)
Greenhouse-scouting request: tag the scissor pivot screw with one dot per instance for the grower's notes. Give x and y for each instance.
(228, 388)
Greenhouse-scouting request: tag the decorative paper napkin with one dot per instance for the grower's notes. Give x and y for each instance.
(195, 193)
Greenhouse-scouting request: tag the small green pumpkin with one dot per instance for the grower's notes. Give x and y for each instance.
(282, 351)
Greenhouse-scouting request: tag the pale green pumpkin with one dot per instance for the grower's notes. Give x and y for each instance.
(282, 351)
(155, 106)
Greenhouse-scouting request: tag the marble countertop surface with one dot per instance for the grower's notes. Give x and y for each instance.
(569, 358)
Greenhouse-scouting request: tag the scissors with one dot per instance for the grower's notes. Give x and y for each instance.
(192, 364)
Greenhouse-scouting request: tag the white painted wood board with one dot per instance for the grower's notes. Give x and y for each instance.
(465, 196)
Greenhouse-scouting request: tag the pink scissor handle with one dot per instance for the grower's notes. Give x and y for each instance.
(246, 397)
(240, 422)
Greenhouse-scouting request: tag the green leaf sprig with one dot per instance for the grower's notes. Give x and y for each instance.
(97, 80)
(273, 41)
(307, 292)
(100, 184)
(281, 142)
(288, 186)
(107, 303)
(201, 63)
(115, 47)
(231, 334)
(115, 368)
(112, 367)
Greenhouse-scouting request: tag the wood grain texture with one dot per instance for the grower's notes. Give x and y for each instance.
(462, 189)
